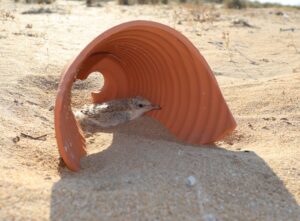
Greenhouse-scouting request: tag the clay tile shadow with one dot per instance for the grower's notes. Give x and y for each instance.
(137, 177)
(154, 61)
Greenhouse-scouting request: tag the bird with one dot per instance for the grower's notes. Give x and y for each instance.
(114, 112)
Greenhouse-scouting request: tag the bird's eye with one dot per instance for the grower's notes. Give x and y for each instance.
(141, 105)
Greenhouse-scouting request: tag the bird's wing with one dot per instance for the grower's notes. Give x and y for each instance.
(109, 107)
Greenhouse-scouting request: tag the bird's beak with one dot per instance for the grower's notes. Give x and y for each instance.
(155, 107)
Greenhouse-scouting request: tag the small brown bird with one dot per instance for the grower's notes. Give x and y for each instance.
(114, 112)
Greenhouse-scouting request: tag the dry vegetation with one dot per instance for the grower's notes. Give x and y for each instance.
(234, 4)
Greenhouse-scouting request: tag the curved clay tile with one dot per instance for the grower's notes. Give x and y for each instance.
(150, 60)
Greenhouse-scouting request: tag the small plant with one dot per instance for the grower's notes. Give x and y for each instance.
(214, 1)
(89, 3)
(226, 40)
(123, 2)
(142, 2)
(237, 4)
(38, 1)
(154, 2)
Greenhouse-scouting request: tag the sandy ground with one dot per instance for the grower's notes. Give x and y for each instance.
(138, 171)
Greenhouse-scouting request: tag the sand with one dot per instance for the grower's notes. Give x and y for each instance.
(138, 171)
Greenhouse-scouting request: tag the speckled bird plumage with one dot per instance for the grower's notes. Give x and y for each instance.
(114, 112)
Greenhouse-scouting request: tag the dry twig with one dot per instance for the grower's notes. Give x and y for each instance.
(42, 137)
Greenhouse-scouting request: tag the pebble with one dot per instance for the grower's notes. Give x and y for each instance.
(209, 217)
(191, 181)
(16, 139)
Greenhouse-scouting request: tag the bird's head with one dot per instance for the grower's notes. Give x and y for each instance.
(140, 105)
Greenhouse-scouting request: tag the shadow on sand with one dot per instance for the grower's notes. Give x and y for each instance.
(143, 175)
